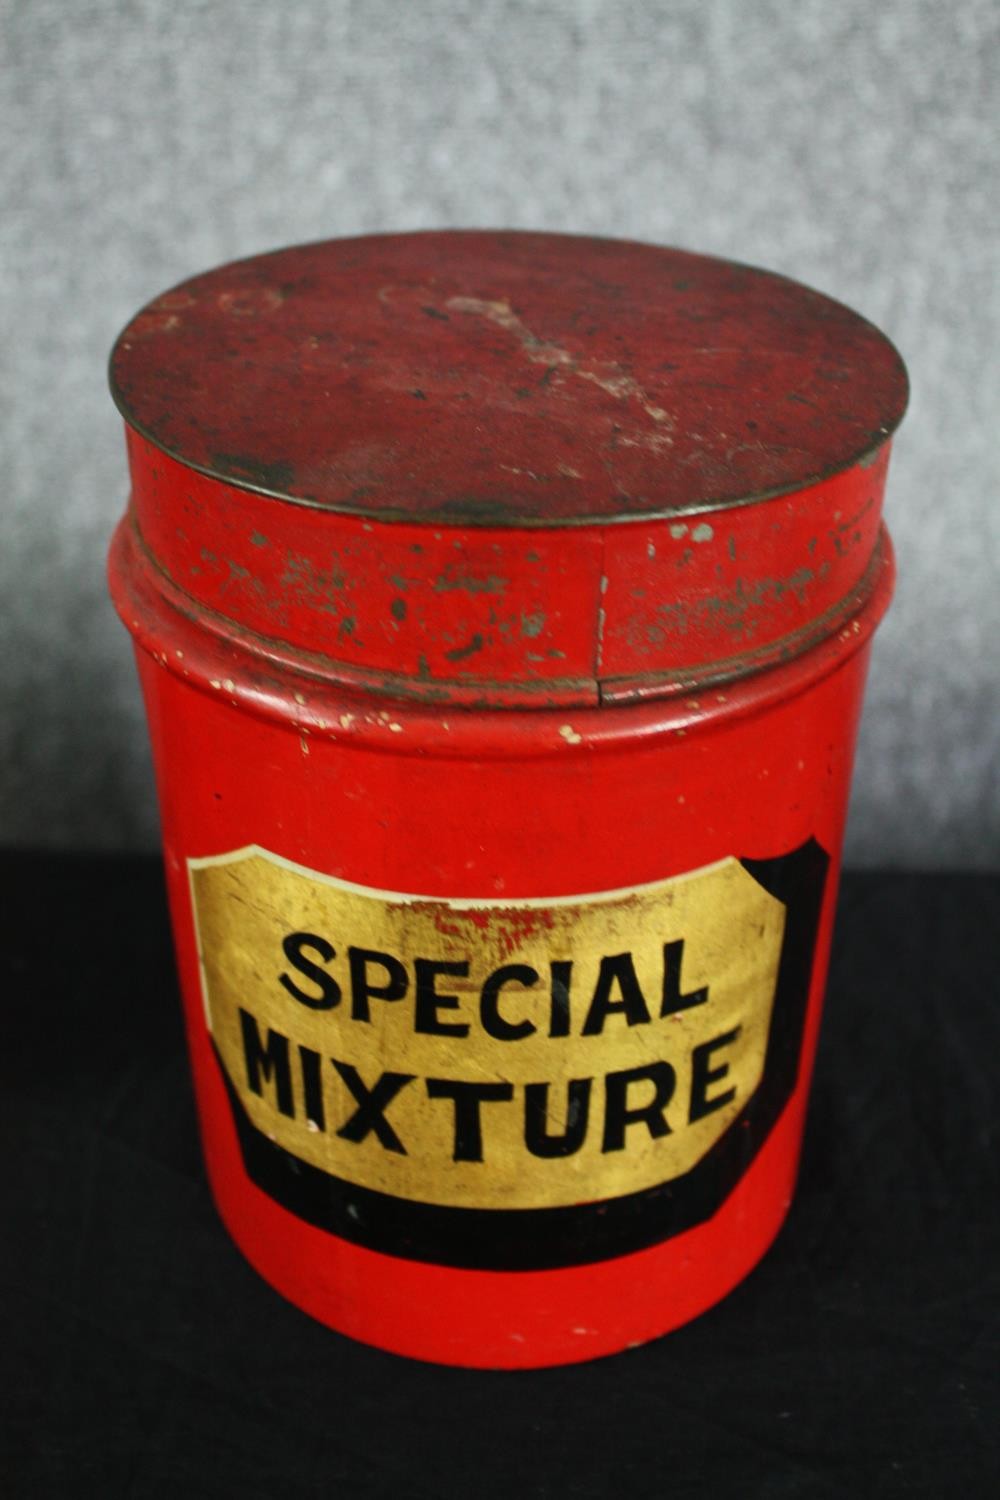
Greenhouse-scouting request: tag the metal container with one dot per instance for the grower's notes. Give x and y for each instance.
(503, 604)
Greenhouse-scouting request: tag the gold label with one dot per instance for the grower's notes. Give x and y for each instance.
(488, 1054)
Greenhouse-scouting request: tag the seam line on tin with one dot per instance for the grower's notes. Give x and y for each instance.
(601, 615)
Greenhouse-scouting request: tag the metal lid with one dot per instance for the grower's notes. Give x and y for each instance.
(502, 468)
(506, 379)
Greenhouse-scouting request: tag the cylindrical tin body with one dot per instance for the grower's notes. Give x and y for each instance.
(503, 606)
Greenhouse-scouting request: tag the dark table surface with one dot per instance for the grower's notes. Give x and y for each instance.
(142, 1357)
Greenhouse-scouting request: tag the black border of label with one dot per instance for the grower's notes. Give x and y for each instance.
(536, 1239)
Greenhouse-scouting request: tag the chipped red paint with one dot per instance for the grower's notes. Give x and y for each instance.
(476, 563)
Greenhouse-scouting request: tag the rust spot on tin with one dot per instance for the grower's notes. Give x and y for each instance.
(237, 574)
(734, 612)
(461, 653)
(269, 474)
(455, 579)
(315, 586)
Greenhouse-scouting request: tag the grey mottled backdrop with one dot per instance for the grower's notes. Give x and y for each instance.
(850, 144)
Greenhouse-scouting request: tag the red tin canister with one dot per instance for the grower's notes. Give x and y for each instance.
(503, 604)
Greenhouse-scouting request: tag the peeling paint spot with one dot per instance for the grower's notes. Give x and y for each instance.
(247, 302)
(677, 530)
(398, 609)
(606, 374)
(702, 532)
(532, 625)
(258, 539)
(570, 735)
(528, 474)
